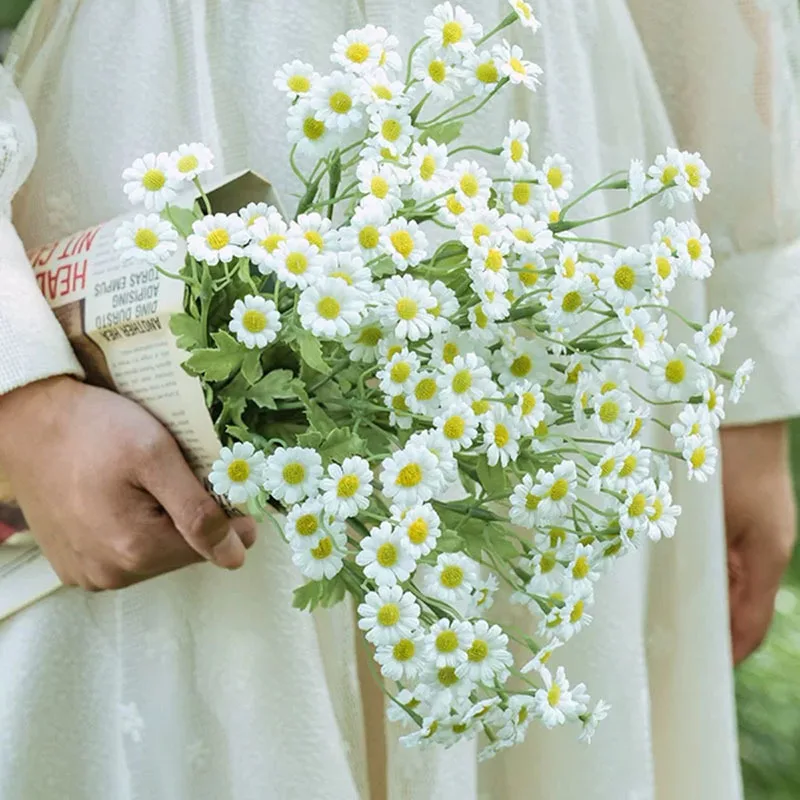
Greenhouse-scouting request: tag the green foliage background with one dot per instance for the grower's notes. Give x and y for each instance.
(767, 685)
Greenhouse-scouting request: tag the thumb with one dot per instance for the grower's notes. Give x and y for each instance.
(194, 513)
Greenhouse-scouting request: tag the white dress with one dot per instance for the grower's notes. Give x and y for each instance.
(208, 686)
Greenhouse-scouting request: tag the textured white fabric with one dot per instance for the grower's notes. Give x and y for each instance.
(201, 685)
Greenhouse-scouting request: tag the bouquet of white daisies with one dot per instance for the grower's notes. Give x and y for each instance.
(432, 382)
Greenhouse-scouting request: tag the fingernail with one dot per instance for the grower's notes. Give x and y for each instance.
(230, 552)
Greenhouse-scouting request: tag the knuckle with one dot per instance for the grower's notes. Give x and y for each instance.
(152, 445)
(205, 521)
(132, 554)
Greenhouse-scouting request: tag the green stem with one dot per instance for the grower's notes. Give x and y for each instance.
(509, 20)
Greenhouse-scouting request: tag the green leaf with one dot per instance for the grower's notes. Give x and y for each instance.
(311, 351)
(443, 132)
(497, 541)
(308, 596)
(187, 330)
(333, 591)
(449, 542)
(251, 366)
(383, 267)
(181, 218)
(312, 439)
(216, 364)
(275, 385)
(341, 443)
(319, 419)
(244, 434)
(492, 479)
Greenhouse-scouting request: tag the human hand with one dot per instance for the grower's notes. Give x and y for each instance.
(106, 490)
(760, 526)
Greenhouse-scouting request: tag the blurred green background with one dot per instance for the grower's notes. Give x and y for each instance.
(767, 685)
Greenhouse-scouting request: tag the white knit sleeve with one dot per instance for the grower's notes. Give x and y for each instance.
(32, 344)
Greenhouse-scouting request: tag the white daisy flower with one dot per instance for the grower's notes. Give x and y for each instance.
(347, 487)
(452, 29)
(480, 72)
(692, 421)
(696, 175)
(488, 656)
(450, 209)
(312, 135)
(612, 414)
(500, 436)
(384, 556)
(693, 248)
(555, 704)
(452, 342)
(350, 268)
(447, 306)
(447, 642)
(663, 267)
(389, 59)
(423, 397)
(267, 233)
(525, 13)
(238, 473)
(364, 232)
(488, 264)
(714, 401)
(217, 238)
(404, 242)
(419, 527)
(711, 340)
(740, 381)
(516, 150)
(557, 490)
(399, 374)
(292, 473)
(483, 596)
(297, 263)
(443, 689)
(306, 523)
(522, 361)
(147, 238)
(335, 98)
(524, 504)
(662, 517)
(446, 466)
(253, 212)
(590, 722)
(427, 167)
(453, 579)
(379, 89)
(388, 615)
(436, 71)
(557, 175)
(363, 343)
(625, 277)
(471, 183)
(636, 508)
(380, 184)
(296, 79)
(525, 274)
(636, 182)
(700, 456)
(466, 379)
(475, 226)
(330, 308)
(404, 660)
(665, 176)
(357, 51)
(391, 128)
(410, 476)
(189, 161)
(316, 230)
(255, 321)
(675, 375)
(405, 304)
(514, 66)
(525, 197)
(643, 334)
(459, 426)
(148, 182)
(324, 559)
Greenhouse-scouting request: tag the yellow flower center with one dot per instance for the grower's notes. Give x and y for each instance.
(323, 549)
(452, 33)
(658, 510)
(501, 435)
(404, 650)
(400, 371)
(554, 695)
(715, 337)
(294, 473)
(382, 92)
(427, 168)
(299, 84)
(607, 387)
(270, 244)
(698, 457)
(521, 193)
(669, 174)
(607, 467)
(454, 427)
(342, 276)
(694, 248)
(409, 476)
(637, 506)
(523, 235)
(369, 237)
(712, 400)
(469, 184)
(487, 72)
(370, 337)
(315, 238)
(548, 562)
(399, 403)
(218, 238)
(379, 187)
(357, 52)
(625, 278)
(254, 321)
(577, 612)
(675, 371)
(572, 301)
(328, 308)
(453, 206)
(153, 180)
(518, 67)
(418, 531)
(391, 130)
(145, 239)
(517, 150)
(449, 352)
(446, 642)
(494, 260)
(609, 412)
(462, 381)
(559, 489)
(628, 466)
(446, 677)
(452, 576)
(528, 403)
(388, 615)
(521, 366)
(296, 263)
(580, 568)
(425, 389)
(386, 555)
(188, 163)
(307, 525)
(348, 485)
(478, 651)
(638, 335)
(480, 407)
(238, 470)
(663, 267)
(693, 175)
(437, 71)
(406, 308)
(532, 501)
(313, 128)
(528, 275)
(403, 242)
(340, 102)
(637, 426)
(555, 177)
